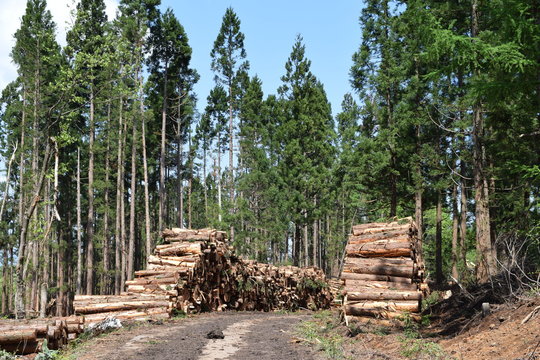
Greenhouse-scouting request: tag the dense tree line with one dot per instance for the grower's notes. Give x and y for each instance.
(104, 147)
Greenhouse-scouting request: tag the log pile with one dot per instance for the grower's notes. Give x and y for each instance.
(222, 281)
(196, 271)
(383, 272)
(24, 337)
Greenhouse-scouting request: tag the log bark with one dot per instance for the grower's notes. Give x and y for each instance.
(19, 335)
(380, 270)
(353, 307)
(386, 249)
(396, 279)
(119, 306)
(384, 295)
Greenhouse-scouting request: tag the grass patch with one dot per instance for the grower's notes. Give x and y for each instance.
(421, 349)
(321, 332)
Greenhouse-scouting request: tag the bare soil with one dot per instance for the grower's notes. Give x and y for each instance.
(252, 335)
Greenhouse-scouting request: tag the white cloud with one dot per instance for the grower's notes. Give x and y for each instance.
(11, 12)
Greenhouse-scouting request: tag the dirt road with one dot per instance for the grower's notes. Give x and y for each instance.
(260, 336)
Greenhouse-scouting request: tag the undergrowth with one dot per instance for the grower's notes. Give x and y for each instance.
(413, 346)
(321, 332)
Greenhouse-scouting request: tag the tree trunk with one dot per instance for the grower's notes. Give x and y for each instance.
(131, 247)
(455, 232)
(123, 237)
(486, 258)
(438, 240)
(90, 222)
(105, 282)
(145, 169)
(21, 271)
(180, 180)
(219, 181)
(463, 216)
(78, 290)
(162, 155)
(231, 162)
(119, 194)
(205, 187)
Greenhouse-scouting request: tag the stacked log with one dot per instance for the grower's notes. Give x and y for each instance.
(195, 271)
(24, 337)
(383, 271)
(125, 306)
(222, 281)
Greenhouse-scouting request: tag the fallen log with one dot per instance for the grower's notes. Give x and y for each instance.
(412, 306)
(118, 306)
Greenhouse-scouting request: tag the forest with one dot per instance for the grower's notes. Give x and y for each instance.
(103, 145)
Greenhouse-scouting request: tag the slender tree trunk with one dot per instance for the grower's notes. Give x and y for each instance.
(463, 216)
(162, 155)
(119, 180)
(231, 160)
(219, 181)
(180, 179)
(21, 270)
(305, 257)
(455, 232)
(438, 240)
(5, 274)
(123, 237)
(131, 248)
(145, 169)
(418, 205)
(79, 226)
(190, 185)
(105, 281)
(90, 222)
(205, 186)
(5, 287)
(315, 236)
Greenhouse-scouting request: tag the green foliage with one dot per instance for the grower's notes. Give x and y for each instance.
(46, 353)
(4, 355)
(421, 349)
(320, 332)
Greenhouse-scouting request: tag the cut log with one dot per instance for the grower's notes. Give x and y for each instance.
(384, 295)
(372, 277)
(380, 270)
(412, 306)
(119, 306)
(16, 336)
(177, 249)
(387, 249)
(367, 285)
(374, 228)
(401, 261)
(397, 236)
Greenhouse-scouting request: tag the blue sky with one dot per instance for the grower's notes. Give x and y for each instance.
(330, 30)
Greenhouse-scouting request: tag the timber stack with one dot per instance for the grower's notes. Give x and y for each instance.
(197, 271)
(220, 280)
(383, 272)
(24, 337)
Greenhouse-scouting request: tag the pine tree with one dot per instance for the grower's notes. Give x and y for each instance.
(228, 62)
